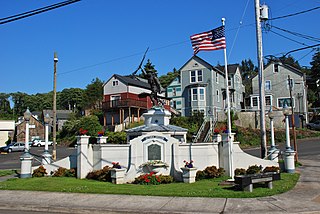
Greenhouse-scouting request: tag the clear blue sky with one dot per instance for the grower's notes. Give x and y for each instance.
(98, 38)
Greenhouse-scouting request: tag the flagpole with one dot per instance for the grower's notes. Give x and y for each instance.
(228, 108)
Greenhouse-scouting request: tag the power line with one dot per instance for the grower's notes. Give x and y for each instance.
(294, 14)
(299, 49)
(298, 34)
(301, 43)
(35, 12)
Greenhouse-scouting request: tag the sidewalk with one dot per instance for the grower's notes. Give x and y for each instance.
(304, 198)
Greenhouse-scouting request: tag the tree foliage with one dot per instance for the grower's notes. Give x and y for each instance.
(165, 80)
(71, 99)
(94, 94)
(314, 85)
(248, 71)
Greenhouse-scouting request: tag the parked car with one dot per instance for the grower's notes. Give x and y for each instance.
(315, 125)
(39, 143)
(13, 147)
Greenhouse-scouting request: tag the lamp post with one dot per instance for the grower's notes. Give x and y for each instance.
(46, 157)
(273, 151)
(289, 153)
(26, 158)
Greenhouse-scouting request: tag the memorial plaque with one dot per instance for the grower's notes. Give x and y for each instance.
(154, 152)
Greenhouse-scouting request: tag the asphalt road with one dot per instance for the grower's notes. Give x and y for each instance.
(305, 147)
(12, 160)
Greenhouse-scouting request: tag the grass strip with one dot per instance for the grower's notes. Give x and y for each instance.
(6, 172)
(203, 188)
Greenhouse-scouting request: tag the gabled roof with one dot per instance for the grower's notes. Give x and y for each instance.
(203, 62)
(232, 68)
(132, 80)
(61, 114)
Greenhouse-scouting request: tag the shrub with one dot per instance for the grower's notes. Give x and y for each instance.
(209, 172)
(239, 171)
(100, 175)
(147, 179)
(63, 172)
(271, 169)
(254, 169)
(40, 172)
(165, 179)
(200, 175)
(213, 172)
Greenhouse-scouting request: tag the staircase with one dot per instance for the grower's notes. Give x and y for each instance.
(204, 132)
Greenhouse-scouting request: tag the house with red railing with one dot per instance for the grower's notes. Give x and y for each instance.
(125, 99)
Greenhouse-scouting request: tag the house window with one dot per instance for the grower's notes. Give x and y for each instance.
(229, 81)
(193, 76)
(282, 102)
(115, 83)
(218, 96)
(268, 85)
(115, 100)
(290, 83)
(196, 76)
(199, 75)
(217, 78)
(276, 68)
(268, 100)
(178, 88)
(255, 102)
(194, 94)
(201, 93)
(174, 92)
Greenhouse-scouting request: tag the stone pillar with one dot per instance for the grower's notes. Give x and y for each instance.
(117, 175)
(82, 156)
(226, 154)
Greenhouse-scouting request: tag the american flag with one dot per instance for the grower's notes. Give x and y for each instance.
(209, 41)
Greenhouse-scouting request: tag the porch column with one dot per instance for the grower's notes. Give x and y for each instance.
(104, 119)
(139, 115)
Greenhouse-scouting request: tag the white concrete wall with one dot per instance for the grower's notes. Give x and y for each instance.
(203, 154)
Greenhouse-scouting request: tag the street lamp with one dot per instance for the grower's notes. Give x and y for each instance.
(27, 116)
(46, 157)
(273, 152)
(26, 158)
(289, 153)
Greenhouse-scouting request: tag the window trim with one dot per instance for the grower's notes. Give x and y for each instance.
(204, 93)
(196, 75)
(293, 100)
(270, 85)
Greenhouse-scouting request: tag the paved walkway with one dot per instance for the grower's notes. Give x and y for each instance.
(304, 198)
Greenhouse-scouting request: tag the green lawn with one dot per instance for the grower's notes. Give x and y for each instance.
(6, 172)
(203, 188)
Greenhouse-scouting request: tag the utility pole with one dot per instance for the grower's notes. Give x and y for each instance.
(261, 82)
(54, 151)
(290, 83)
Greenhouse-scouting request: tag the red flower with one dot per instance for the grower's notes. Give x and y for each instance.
(83, 131)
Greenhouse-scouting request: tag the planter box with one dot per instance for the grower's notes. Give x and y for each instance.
(189, 174)
(117, 175)
(102, 139)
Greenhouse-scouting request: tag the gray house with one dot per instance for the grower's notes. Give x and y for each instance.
(278, 80)
(201, 87)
